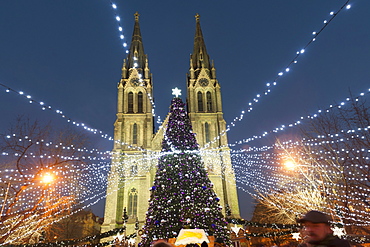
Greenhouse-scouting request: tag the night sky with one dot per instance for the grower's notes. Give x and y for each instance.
(67, 53)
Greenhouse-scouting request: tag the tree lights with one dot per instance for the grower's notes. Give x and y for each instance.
(182, 194)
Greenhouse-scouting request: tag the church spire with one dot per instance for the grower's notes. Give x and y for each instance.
(200, 57)
(136, 58)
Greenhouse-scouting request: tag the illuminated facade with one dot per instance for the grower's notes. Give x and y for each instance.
(137, 144)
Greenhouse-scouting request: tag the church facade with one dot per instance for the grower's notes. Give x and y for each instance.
(137, 144)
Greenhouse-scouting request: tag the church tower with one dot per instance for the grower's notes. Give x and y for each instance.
(130, 177)
(136, 146)
(205, 111)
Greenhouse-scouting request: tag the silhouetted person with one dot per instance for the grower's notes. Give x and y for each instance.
(162, 244)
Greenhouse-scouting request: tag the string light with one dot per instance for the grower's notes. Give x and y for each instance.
(120, 29)
(269, 182)
(287, 68)
(301, 120)
(122, 37)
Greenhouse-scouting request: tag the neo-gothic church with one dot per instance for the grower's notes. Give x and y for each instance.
(137, 142)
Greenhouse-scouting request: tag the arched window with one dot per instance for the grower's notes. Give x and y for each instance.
(206, 132)
(132, 203)
(130, 108)
(140, 102)
(134, 134)
(200, 102)
(209, 102)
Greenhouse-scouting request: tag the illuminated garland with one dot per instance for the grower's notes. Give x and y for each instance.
(86, 239)
(298, 122)
(264, 225)
(69, 120)
(95, 131)
(269, 86)
(255, 100)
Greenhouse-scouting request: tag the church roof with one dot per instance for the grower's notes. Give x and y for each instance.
(136, 57)
(200, 57)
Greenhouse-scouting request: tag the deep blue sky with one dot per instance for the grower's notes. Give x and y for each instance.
(67, 53)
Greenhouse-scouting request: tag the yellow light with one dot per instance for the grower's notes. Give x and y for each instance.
(290, 165)
(47, 178)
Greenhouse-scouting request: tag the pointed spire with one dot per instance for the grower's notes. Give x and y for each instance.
(213, 70)
(192, 76)
(124, 69)
(136, 58)
(200, 58)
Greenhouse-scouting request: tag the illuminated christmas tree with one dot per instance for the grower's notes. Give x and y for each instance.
(182, 194)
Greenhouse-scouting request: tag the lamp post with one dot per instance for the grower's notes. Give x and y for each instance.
(5, 197)
(124, 218)
(123, 241)
(47, 178)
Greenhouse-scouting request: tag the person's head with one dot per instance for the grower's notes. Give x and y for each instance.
(316, 226)
(161, 243)
(204, 244)
(219, 242)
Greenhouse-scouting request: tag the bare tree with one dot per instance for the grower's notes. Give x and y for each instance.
(39, 179)
(342, 141)
(331, 171)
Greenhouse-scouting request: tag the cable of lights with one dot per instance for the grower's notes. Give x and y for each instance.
(287, 69)
(298, 122)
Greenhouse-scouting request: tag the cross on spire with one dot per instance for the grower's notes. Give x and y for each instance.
(197, 17)
(136, 16)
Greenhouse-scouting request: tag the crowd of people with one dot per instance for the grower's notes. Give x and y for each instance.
(316, 232)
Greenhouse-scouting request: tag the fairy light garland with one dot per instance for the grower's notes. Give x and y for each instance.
(250, 176)
(70, 120)
(122, 37)
(287, 68)
(301, 120)
(271, 85)
(120, 28)
(241, 151)
(86, 206)
(104, 155)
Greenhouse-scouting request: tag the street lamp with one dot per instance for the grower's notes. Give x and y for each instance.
(5, 198)
(47, 178)
(290, 164)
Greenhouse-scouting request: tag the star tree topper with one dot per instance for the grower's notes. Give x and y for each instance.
(296, 236)
(176, 92)
(338, 232)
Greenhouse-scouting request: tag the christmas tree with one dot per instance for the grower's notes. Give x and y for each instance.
(182, 194)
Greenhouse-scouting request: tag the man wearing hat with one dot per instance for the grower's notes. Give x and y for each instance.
(317, 228)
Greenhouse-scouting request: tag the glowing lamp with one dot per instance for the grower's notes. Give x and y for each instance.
(289, 164)
(47, 178)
